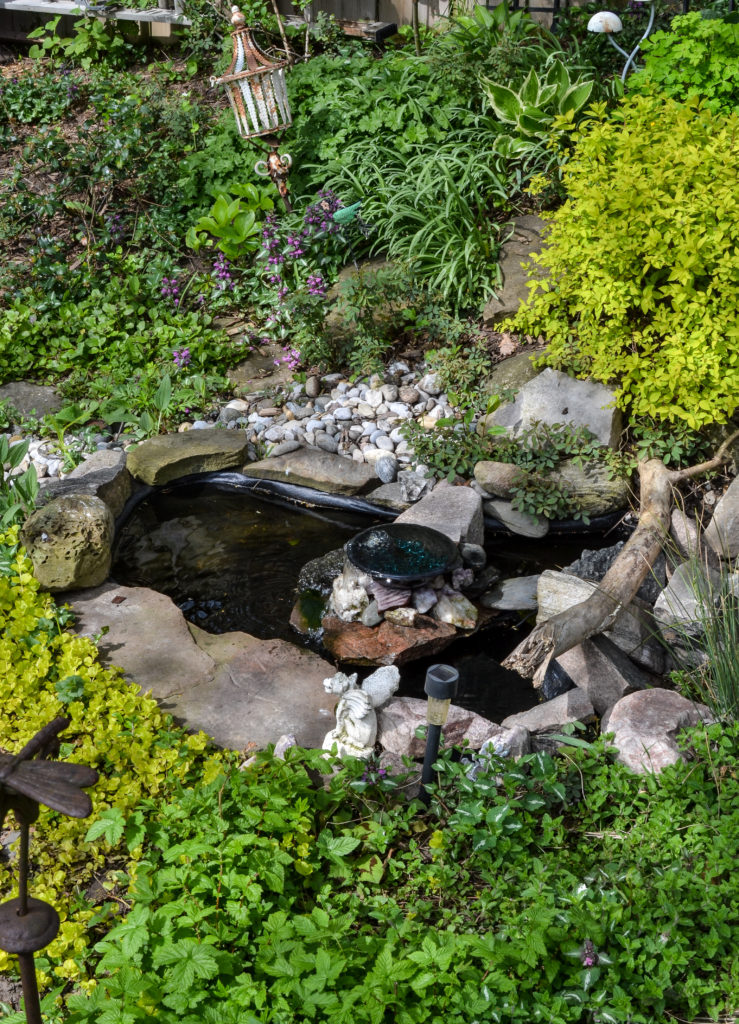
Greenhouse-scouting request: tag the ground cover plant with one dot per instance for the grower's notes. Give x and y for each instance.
(563, 890)
(48, 671)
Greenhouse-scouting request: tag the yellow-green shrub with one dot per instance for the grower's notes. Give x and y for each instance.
(643, 261)
(135, 747)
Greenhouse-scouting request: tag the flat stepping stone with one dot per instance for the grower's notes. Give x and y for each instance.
(309, 467)
(31, 399)
(159, 460)
(238, 689)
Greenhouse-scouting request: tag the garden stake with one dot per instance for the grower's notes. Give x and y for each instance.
(440, 687)
(27, 924)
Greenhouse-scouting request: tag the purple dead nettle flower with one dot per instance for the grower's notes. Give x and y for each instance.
(181, 358)
(171, 290)
(222, 274)
(316, 285)
(588, 956)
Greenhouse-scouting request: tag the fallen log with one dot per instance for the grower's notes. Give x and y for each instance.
(619, 586)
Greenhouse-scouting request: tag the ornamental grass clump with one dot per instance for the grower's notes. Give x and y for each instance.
(642, 289)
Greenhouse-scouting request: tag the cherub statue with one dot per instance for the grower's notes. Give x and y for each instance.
(356, 722)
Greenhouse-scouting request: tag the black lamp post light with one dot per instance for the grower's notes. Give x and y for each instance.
(26, 924)
(440, 687)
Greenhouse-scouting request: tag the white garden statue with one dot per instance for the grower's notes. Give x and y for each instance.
(356, 721)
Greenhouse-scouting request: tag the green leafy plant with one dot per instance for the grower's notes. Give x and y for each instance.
(233, 225)
(137, 750)
(18, 490)
(698, 57)
(94, 43)
(534, 107)
(652, 204)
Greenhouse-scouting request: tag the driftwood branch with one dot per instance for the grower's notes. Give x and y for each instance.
(619, 586)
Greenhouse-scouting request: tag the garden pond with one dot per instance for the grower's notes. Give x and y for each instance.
(230, 560)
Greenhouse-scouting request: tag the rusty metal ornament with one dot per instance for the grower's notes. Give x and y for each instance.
(26, 924)
(255, 85)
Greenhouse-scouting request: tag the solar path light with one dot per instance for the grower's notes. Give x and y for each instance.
(440, 687)
(27, 924)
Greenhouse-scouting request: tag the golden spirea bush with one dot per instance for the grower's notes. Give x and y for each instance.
(46, 671)
(642, 261)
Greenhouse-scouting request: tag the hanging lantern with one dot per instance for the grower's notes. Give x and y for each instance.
(255, 85)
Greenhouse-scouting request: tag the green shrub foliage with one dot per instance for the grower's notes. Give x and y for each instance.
(643, 284)
(565, 890)
(697, 57)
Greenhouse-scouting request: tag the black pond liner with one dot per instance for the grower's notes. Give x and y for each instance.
(199, 567)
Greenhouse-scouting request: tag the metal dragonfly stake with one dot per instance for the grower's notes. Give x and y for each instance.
(27, 924)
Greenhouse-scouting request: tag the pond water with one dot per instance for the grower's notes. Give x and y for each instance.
(230, 561)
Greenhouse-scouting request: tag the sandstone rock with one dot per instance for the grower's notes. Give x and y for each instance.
(31, 399)
(386, 644)
(520, 523)
(553, 397)
(169, 456)
(69, 542)
(688, 597)
(389, 496)
(591, 489)
(103, 475)
(688, 541)
(633, 630)
(238, 689)
(573, 706)
(517, 594)
(454, 511)
(498, 478)
(512, 743)
(322, 470)
(601, 669)
(510, 375)
(722, 533)
(397, 723)
(645, 726)
(524, 238)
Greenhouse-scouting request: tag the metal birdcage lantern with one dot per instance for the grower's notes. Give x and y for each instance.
(255, 85)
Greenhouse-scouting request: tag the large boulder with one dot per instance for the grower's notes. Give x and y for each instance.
(573, 706)
(591, 489)
(309, 467)
(398, 721)
(167, 457)
(553, 397)
(645, 726)
(31, 399)
(69, 542)
(688, 599)
(102, 474)
(722, 533)
(602, 671)
(237, 688)
(634, 630)
(453, 511)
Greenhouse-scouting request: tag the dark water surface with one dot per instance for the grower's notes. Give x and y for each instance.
(230, 561)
